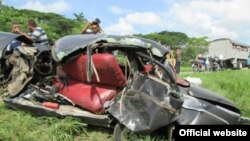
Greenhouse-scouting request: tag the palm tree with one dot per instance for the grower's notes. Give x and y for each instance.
(79, 17)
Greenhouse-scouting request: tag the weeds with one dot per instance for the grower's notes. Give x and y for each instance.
(233, 84)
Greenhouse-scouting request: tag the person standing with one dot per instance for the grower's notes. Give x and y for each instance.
(15, 28)
(178, 61)
(37, 34)
(94, 26)
(171, 58)
(21, 58)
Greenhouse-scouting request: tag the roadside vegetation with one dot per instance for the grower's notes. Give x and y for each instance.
(233, 84)
(186, 68)
(55, 25)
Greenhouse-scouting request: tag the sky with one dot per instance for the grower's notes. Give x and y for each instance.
(197, 18)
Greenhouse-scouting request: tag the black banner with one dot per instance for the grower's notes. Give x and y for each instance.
(215, 132)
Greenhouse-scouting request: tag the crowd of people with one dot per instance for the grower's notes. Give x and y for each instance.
(174, 58)
(38, 35)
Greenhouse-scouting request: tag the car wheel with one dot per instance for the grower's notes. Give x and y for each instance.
(239, 63)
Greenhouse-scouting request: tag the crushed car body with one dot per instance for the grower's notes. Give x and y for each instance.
(122, 82)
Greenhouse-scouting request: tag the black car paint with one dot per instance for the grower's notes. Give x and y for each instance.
(72, 43)
(6, 38)
(201, 108)
(139, 108)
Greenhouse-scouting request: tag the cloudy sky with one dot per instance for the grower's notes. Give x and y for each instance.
(212, 18)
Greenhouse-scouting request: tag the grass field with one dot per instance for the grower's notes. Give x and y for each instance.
(233, 84)
(20, 126)
(186, 68)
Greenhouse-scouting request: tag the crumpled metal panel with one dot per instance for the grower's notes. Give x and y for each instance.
(138, 110)
(6, 38)
(69, 44)
(205, 94)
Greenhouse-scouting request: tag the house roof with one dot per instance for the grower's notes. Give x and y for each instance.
(233, 41)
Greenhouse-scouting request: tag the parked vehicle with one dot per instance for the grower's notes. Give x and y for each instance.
(198, 66)
(235, 53)
(23, 64)
(124, 83)
(217, 64)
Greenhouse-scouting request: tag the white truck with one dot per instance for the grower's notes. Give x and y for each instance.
(234, 53)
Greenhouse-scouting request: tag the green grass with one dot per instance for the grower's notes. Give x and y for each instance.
(233, 84)
(186, 68)
(19, 126)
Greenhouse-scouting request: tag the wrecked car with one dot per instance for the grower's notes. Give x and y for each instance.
(23, 64)
(119, 82)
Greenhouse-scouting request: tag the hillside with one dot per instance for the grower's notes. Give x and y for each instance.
(171, 39)
(55, 25)
(191, 46)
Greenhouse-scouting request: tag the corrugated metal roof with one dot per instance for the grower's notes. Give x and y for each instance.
(233, 41)
(240, 43)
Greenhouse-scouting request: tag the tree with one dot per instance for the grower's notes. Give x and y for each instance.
(80, 17)
(55, 25)
(194, 47)
(172, 39)
(197, 42)
(190, 46)
(1, 3)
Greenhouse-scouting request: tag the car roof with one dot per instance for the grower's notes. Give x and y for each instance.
(71, 43)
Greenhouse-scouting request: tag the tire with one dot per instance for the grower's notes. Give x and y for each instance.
(118, 132)
(241, 66)
(239, 63)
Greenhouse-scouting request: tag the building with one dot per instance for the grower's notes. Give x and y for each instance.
(233, 52)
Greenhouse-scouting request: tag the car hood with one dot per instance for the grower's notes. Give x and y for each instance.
(215, 98)
(69, 44)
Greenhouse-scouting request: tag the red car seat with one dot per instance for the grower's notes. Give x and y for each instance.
(93, 95)
(107, 68)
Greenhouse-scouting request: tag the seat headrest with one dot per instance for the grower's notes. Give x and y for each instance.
(107, 68)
